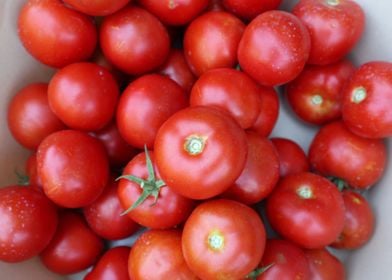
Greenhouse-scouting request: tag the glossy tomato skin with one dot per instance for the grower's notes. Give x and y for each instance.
(145, 42)
(29, 116)
(274, 48)
(73, 167)
(288, 261)
(260, 174)
(360, 222)
(211, 41)
(200, 151)
(145, 104)
(334, 27)
(301, 208)
(334, 146)
(367, 100)
(112, 265)
(97, 7)
(223, 239)
(249, 9)
(324, 265)
(156, 255)
(169, 210)
(316, 94)
(74, 246)
(83, 95)
(29, 222)
(76, 34)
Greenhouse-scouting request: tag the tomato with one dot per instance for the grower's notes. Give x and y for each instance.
(334, 27)
(211, 41)
(324, 266)
(83, 95)
(260, 174)
(74, 246)
(200, 152)
(334, 146)
(113, 265)
(274, 48)
(292, 158)
(29, 116)
(134, 40)
(285, 261)
(104, 215)
(97, 7)
(175, 12)
(307, 209)
(162, 207)
(75, 33)
(73, 167)
(249, 9)
(28, 222)
(150, 100)
(316, 94)
(367, 100)
(223, 239)
(360, 222)
(230, 90)
(157, 254)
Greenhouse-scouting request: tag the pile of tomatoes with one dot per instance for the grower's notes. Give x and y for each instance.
(156, 126)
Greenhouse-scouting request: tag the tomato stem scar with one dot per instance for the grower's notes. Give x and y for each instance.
(317, 99)
(305, 192)
(358, 95)
(216, 240)
(333, 2)
(194, 144)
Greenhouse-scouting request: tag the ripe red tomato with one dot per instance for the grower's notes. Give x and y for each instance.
(113, 265)
(73, 167)
(223, 239)
(336, 151)
(134, 40)
(249, 9)
(157, 255)
(150, 100)
(75, 33)
(316, 94)
(334, 27)
(97, 7)
(274, 48)
(28, 222)
(324, 266)
(300, 209)
(367, 100)
(29, 116)
(74, 246)
(211, 41)
(200, 152)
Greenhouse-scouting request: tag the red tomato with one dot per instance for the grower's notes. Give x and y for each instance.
(65, 36)
(175, 12)
(211, 41)
(157, 254)
(287, 261)
(104, 215)
(73, 167)
(134, 40)
(83, 95)
(334, 27)
(113, 265)
(260, 174)
(97, 7)
(324, 266)
(274, 48)
(162, 208)
(292, 158)
(74, 246)
(150, 100)
(336, 151)
(360, 222)
(28, 222)
(249, 9)
(316, 94)
(367, 100)
(30, 118)
(200, 152)
(223, 239)
(300, 209)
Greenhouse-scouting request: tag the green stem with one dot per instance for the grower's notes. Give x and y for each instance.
(258, 271)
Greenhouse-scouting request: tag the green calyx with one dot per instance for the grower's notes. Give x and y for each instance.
(258, 271)
(339, 183)
(150, 186)
(22, 179)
